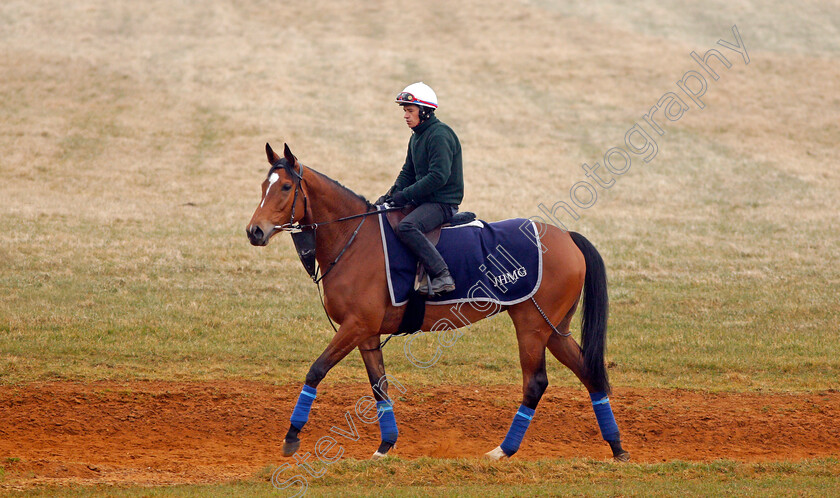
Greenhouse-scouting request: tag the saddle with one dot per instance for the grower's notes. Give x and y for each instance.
(394, 219)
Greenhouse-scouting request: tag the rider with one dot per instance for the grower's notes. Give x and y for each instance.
(432, 178)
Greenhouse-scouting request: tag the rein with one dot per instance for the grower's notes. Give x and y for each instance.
(293, 227)
(298, 227)
(303, 234)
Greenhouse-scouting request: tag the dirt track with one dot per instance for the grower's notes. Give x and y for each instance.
(167, 432)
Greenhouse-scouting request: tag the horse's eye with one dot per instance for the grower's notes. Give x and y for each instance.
(287, 186)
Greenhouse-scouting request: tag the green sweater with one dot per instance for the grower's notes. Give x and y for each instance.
(433, 171)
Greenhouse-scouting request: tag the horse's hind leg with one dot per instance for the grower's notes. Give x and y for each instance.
(568, 352)
(531, 336)
(375, 366)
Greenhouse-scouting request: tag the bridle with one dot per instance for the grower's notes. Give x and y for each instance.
(297, 178)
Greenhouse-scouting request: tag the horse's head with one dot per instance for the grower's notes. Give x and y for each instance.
(283, 201)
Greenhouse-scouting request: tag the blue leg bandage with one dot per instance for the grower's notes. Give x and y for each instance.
(604, 414)
(520, 424)
(301, 412)
(387, 421)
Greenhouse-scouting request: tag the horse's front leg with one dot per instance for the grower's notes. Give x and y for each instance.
(348, 337)
(375, 366)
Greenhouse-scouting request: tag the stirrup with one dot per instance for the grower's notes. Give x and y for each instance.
(426, 286)
(437, 286)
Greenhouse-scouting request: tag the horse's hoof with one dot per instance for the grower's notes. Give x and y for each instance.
(383, 450)
(496, 454)
(290, 447)
(378, 456)
(622, 457)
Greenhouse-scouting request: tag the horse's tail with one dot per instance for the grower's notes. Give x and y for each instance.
(595, 312)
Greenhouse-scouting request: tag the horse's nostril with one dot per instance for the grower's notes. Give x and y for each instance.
(255, 235)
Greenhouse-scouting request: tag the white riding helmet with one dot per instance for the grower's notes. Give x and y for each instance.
(418, 94)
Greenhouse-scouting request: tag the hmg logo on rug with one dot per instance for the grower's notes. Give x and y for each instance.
(510, 277)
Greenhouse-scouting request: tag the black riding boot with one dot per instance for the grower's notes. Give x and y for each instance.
(425, 218)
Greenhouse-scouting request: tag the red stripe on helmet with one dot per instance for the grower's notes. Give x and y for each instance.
(425, 103)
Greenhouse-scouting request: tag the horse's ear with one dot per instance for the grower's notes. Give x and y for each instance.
(270, 154)
(287, 153)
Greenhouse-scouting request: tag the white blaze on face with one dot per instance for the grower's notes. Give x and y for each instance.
(271, 181)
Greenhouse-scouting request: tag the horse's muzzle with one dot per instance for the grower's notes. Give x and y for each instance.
(257, 236)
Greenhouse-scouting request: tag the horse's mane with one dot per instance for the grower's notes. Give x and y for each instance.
(343, 188)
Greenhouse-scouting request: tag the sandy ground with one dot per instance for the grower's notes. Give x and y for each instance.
(156, 433)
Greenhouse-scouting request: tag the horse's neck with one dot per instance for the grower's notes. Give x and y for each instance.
(328, 202)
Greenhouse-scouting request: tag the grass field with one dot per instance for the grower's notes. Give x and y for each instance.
(131, 156)
(541, 478)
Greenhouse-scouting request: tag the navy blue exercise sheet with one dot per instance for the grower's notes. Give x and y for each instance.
(498, 262)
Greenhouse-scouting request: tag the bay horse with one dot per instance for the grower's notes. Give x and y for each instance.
(348, 249)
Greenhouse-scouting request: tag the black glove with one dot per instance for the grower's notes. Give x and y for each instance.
(399, 200)
(382, 200)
